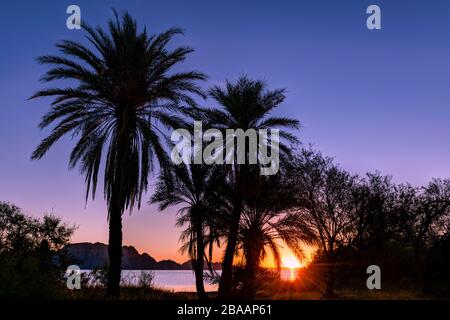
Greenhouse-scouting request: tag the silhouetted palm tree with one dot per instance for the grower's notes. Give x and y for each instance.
(245, 104)
(266, 224)
(124, 89)
(194, 187)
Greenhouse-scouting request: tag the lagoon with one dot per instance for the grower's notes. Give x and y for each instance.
(180, 280)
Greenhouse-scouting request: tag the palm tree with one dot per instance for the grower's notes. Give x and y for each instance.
(245, 104)
(192, 186)
(123, 94)
(266, 223)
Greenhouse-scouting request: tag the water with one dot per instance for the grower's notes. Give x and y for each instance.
(176, 280)
(181, 280)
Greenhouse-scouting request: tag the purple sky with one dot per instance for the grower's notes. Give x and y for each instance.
(376, 100)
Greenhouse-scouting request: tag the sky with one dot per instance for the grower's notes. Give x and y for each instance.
(373, 99)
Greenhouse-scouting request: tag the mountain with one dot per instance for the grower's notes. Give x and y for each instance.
(95, 255)
(188, 265)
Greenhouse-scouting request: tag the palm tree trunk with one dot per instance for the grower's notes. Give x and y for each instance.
(116, 206)
(115, 252)
(251, 269)
(226, 279)
(199, 263)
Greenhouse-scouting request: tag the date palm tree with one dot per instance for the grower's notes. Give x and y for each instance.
(245, 104)
(122, 94)
(267, 224)
(193, 186)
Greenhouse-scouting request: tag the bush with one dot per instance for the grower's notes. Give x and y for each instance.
(146, 279)
(31, 266)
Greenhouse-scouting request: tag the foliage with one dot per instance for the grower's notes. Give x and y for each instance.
(28, 248)
(123, 93)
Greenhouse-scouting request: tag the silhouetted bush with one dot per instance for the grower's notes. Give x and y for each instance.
(31, 265)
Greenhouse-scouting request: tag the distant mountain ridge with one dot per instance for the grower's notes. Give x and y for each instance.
(95, 255)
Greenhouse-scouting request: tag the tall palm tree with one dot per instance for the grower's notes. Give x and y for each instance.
(122, 95)
(192, 186)
(245, 104)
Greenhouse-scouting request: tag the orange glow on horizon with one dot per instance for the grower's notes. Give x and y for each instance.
(291, 262)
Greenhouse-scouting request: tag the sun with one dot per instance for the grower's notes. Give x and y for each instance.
(291, 262)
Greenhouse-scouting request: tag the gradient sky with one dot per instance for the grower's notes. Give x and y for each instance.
(375, 100)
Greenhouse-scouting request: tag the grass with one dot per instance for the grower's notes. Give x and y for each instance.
(288, 290)
(279, 292)
(130, 293)
(272, 289)
(354, 295)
